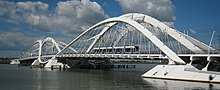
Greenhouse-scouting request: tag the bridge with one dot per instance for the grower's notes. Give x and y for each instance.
(129, 36)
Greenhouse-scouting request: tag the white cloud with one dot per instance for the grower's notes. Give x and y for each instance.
(71, 18)
(68, 18)
(15, 40)
(20, 12)
(192, 31)
(159, 9)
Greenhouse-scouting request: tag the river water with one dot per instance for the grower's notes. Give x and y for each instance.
(14, 77)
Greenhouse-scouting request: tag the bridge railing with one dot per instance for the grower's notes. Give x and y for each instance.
(139, 56)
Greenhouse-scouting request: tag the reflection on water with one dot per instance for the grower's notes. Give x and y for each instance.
(24, 78)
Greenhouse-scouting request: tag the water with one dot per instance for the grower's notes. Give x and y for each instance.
(24, 78)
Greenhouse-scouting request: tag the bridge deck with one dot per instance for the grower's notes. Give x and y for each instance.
(121, 56)
(140, 56)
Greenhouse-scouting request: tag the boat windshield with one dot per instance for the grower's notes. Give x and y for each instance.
(199, 64)
(214, 65)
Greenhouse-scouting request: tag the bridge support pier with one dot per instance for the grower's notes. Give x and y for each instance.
(54, 62)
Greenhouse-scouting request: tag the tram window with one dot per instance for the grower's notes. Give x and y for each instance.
(119, 49)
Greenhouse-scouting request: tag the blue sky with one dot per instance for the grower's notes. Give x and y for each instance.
(24, 21)
(203, 14)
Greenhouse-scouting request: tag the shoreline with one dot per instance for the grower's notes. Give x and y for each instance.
(5, 61)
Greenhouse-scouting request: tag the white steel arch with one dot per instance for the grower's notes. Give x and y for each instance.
(36, 49)
(173, 56)
(48, 39)
(40, 49)
(57, 45)
(172, 32)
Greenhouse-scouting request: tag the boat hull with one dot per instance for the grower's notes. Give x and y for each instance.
(182, 72)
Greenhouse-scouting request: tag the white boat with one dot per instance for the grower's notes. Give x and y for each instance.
(15, 62)
(194, 71)
(160, 84)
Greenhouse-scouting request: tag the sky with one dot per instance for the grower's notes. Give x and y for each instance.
(24, 21)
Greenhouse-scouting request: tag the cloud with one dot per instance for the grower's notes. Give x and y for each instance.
(73, 17)
(162, 10)
(68, 18)
(21, 12)
(192, 31)
(15, 40)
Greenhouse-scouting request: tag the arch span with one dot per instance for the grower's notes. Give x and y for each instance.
(58, 45)
(191, 44)
(40, 48)
(151, 28)
(173, 56)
